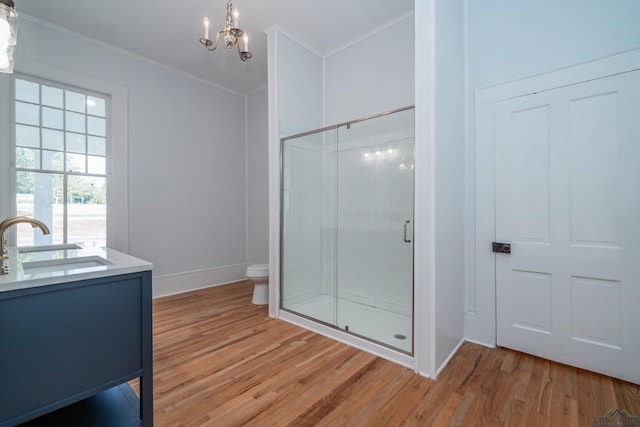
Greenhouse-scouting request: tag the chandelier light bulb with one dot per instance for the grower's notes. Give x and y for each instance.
(206, 27)
(246, 43)
(236, 14)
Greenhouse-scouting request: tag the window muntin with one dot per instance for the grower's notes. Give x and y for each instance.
(61, 159)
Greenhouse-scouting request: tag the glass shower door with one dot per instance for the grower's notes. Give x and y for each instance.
(374, 239)
(347, 227)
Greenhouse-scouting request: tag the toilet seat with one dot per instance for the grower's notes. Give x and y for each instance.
(258, 270)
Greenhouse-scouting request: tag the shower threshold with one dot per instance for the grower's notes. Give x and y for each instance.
(381, 326)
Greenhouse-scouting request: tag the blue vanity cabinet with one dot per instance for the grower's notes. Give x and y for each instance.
(63, 343)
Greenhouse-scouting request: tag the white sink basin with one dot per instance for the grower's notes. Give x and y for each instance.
(65, 264)
(47, 248)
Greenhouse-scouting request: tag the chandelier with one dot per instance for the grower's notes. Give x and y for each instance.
(8, 17)
(231, 34)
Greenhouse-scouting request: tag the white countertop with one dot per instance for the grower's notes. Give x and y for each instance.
(111, 263)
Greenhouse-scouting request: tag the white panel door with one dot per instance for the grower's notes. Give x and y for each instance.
(568, 200)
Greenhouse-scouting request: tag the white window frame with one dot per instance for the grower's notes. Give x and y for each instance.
(65, 173)
(117, 169)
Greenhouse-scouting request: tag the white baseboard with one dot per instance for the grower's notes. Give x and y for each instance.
(480, 328)
(484, 344)
(192, 280)
(449, 357)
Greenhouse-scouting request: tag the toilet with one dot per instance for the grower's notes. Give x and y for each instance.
(259, 273)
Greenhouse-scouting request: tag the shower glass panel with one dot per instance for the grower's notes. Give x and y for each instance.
(308, 230)
(347, 227)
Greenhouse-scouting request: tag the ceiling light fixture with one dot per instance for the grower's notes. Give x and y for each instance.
(8, 32)
(231, 33)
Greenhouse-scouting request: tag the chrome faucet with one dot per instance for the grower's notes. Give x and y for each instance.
(12, 220)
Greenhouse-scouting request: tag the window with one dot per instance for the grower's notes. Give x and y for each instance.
(61, 159)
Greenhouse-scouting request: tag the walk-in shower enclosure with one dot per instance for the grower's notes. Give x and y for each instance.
(347, 227)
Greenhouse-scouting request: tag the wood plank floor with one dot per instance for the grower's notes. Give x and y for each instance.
(221, 361)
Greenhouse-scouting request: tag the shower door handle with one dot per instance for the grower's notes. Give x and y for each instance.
(405, 231)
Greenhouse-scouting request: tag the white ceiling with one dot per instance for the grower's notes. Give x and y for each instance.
(168, 31)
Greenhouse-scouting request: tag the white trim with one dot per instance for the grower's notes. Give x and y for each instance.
(117, 180)
(274, 174)
(449, 357)
(481, 326)
(468, 182)
(424, 268)
(178, 283)
(371, 33)
(278, 29)
(601, 67)
(256, 90)
(324, 91)
(127, 53)
(246, 179)
(6, 161)
(430, 215)
(483, 344)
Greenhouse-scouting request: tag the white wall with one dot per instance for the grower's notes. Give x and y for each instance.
(257, 177)
(373, 75)
(514, 40)
(449, 173)
(299, 87)
(423, 270)
(440, 136)
(295, 105)
(186, 160)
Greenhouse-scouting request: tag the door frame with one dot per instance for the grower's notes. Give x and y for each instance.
(480, 320)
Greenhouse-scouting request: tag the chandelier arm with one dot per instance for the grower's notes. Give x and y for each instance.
(239, 52)
(243, 55)
(208, 43)
(215, 45)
